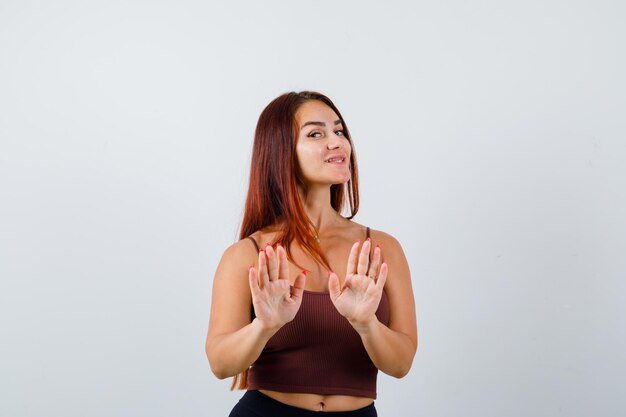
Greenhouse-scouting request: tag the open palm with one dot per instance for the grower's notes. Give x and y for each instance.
(359, 296)
(275, 302)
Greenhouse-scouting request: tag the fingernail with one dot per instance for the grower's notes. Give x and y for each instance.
(358, 241)
(368, 239)
(267, 244)
(303, 272)
(377, 245)
(261, 250)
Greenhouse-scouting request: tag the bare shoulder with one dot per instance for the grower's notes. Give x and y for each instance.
(388, 243)
(241, 253)
(232, 270)
(233, 266)
(393, 254)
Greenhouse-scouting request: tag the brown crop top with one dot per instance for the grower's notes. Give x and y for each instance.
(317, 352)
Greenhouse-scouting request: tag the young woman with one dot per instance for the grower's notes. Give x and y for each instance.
(308, 305)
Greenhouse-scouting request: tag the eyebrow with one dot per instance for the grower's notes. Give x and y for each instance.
(338, 121)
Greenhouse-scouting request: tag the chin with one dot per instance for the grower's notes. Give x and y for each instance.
(341, 181)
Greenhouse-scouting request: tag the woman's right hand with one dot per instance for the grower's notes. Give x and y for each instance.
(275, 301)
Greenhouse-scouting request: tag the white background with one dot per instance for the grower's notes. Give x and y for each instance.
(491, 141)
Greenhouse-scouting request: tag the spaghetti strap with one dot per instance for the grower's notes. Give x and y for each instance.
(370, 254)
(256, 245)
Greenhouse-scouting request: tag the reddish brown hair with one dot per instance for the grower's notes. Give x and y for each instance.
(273, 198)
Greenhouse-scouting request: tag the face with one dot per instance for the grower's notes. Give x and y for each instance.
(322, 149)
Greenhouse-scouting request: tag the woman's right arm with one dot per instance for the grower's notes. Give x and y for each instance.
(233, 341)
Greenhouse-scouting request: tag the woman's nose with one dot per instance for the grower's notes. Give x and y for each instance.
(334, 141)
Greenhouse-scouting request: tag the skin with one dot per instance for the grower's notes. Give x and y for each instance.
(274, 285)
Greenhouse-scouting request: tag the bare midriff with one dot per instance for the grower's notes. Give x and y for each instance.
(317, 402)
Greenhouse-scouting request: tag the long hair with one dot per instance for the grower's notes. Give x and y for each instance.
(273, 198)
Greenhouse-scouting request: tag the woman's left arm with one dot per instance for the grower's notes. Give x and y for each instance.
(391, 348)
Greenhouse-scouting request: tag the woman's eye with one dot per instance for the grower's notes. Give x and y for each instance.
(339, 132)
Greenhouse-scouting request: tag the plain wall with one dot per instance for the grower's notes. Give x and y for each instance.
(491, 143)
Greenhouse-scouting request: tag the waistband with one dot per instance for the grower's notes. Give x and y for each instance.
(267, 406)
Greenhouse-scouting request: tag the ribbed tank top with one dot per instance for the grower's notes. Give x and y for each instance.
(317, 352)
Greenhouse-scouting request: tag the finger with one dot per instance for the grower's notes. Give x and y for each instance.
(333, 286)
(364, 257)
(254, 282)
(373, 270)
(263, 277)
(382, 277)
(283, 264)
(298, 287)
(352, 258)
(272, 262)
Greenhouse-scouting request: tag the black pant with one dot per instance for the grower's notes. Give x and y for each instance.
(256, 404)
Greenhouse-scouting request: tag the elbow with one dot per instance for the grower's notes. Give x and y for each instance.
(404, 372)
(217, 370)
(219, 373)
(401, 372)
(404, 368)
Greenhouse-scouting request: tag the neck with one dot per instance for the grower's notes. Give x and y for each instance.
(317, 206)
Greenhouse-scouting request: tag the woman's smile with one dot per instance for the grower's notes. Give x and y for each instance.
(337, 160)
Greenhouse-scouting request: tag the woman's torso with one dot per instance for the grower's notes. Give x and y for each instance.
(336, 247)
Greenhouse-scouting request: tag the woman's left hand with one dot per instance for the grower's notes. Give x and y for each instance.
(359, 296)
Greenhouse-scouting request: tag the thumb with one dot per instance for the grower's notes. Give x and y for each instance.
(333, 285)
(254, 282)
(298, 287)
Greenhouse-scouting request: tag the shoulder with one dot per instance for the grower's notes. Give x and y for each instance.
(241, 252)
(231, 276)
(247, 248)
(385, 240)
(241, 247)
(354, 231)
(392, 254)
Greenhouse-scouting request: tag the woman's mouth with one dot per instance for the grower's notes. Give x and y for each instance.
(337, 160)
